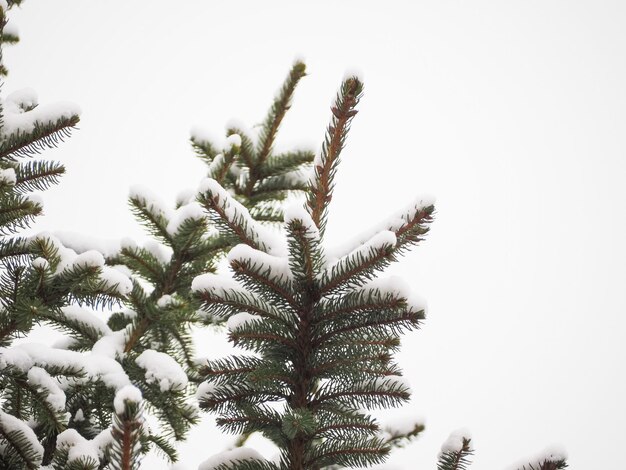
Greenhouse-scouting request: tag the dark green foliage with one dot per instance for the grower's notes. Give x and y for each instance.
(39, 279)
(260, 179)
(44, 135)
(37, 175)
(546, 464)
(457, 459)
(324, 337)
(160, 308)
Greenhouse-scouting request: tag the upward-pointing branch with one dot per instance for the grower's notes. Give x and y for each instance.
(272, 121)
(325, 166)
(281, 104)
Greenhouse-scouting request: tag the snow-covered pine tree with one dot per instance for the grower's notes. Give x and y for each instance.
(106, 358)
(323, 329)
(42, 282)
(76, 406)
(161, 310)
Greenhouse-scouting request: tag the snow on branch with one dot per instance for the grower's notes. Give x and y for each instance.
(22, 112)
(27, 128)
(16, 437)
(79, 450)
(407, 224)
(551, 458)
(234, 218)
(162, 369)
(359, 266)
(456, 451)
(230, 459)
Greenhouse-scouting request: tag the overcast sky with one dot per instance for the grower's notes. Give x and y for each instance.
(511, 112)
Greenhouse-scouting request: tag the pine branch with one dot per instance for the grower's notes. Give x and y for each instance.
(549, 459)
(396, 438)
(229, 215)
(21, 446)
(280, 106)
(125, 451)
(320, 191)
(455, 452)
(37, 175)
(285, 163)
(43, 135)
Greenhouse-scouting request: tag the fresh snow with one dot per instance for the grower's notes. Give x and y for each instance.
(112, 345)
(127, 393)
(91, 258)
(16, 120)
(24, 98)
(10, 424)
(217, 283)
(150, 200)
(79, 415)
(8, 176)
(202, 135)
(454, 442)
(193, 210)
(240, 319)
(398, 287)
(185, 196)
(164, 301)
(552, 453)
(238, 124)
(128, 243)
(205, 390)
(297, 211)
(112, 277)
(393, 223)
(233, 140)
(238, 454)
(40, 263)
(95, 365)
(162, 369)
(161, 252)
(78, 447)
(81, 243)
(364, 251)
(87, 317)
(278, 265)
(267, 240)
(216, 165)
(41, 380)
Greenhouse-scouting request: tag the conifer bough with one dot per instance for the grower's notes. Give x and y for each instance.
(322, 326)
(323, 330)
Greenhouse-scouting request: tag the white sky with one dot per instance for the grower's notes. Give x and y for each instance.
(511, 112)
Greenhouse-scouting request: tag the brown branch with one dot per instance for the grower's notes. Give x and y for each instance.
(321, 190)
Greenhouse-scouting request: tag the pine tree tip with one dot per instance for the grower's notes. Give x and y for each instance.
(354, 75)
(299, 67)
